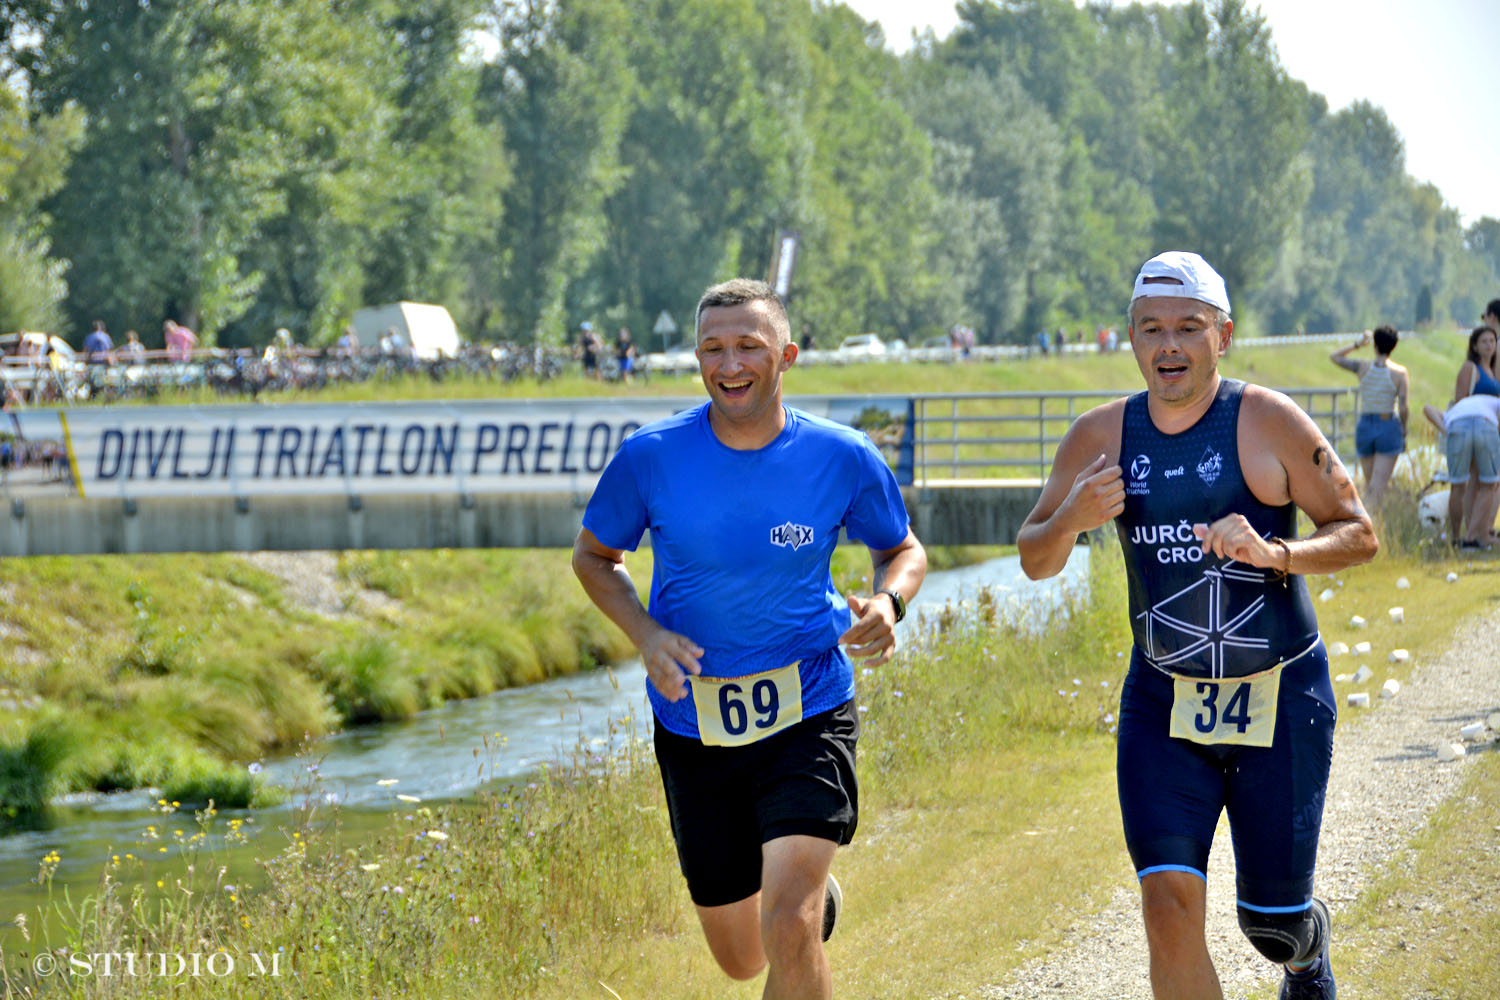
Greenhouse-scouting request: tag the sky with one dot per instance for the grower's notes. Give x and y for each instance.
(1434, 67)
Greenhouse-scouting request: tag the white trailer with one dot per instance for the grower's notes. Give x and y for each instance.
(428, 330)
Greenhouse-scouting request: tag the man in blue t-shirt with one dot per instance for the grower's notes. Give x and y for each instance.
(1227, 705)
(746, 642)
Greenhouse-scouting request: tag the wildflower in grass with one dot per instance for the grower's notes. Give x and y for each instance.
(49, 864)
(437, 835)
(372, 866)
(386, 782)
(408, 798)
(255, 768)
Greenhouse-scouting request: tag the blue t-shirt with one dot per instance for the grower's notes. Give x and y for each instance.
(741, 542)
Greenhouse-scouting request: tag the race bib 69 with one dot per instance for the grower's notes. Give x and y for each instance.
(733, 711)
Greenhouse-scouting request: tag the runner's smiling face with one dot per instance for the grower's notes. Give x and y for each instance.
(1178, 344)
(741, 359)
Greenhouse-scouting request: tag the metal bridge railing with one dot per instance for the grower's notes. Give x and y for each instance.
(1013, 436)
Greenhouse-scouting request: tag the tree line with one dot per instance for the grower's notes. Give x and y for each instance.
(243, 166)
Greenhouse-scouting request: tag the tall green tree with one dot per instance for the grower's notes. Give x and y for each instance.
(33, 156)
(715, 149)
(1230, 176)
(1004, 157)
(184, 99)
(561, 91)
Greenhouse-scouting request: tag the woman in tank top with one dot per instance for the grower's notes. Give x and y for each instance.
(1380, 435)
(1475, 377)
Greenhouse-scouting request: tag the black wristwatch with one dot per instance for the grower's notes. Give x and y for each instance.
(897, 601)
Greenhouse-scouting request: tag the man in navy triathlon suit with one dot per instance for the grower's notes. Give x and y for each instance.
(1227, 703)
(746, 641)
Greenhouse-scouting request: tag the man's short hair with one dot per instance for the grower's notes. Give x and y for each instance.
(1385, 338)
(742, 291)
(1493, 309)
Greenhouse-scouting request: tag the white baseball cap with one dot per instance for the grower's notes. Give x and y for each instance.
(1188, 276)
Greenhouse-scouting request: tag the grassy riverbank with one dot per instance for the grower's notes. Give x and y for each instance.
(990, 824)
(178, 671)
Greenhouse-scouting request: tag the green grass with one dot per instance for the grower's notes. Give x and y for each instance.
(988, 807)
(987, 795)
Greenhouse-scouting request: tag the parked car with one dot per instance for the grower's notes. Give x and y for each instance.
(867, 344)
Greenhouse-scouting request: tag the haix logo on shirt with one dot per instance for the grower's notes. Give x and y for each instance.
(1209, 466)
(1140, 468)
(793, 536)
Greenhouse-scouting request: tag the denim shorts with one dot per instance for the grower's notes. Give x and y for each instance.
(1375, 434)
(1473, 440)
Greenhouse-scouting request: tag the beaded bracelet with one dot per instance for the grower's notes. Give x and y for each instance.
(1281, 574)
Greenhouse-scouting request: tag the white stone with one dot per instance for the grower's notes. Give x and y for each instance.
(1402, 583)
(1400, 656)
(1363, 674)
(1359, 699)
(1450, 751)
(1357, 622)
(1344, 678)
(1326, 595)
(1390, 688)
(1472, 731)
(1361, 648)
(1338, 649)
(1452, 577)
(1398, 615)
(1494, 721)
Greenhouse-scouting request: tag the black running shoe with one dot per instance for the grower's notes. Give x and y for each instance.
(1316, 983)
(833, 902)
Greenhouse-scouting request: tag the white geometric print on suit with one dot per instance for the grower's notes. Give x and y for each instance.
(1214, 634)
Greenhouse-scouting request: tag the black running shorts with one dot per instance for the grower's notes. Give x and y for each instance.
(725, 802)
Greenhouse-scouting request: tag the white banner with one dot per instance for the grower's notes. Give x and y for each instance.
(353, 448)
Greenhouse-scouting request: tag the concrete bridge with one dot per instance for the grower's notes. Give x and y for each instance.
(974, 462)
(969, 513)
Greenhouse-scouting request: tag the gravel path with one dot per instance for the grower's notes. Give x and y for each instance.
(1386, 781)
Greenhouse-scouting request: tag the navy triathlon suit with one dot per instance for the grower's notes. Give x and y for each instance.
(1227, 703)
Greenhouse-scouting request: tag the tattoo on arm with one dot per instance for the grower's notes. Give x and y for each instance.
(1334, 469)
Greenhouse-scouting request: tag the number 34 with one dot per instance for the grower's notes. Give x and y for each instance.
(1236, 710)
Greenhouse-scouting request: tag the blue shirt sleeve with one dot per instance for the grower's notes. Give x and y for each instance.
(616, 513)
(877, 517)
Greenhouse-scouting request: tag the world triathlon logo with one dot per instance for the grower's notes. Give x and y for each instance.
(1210, 466)
(1140, 468)
(793, 536)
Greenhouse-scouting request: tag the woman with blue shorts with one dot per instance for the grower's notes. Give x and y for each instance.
(1380, 435)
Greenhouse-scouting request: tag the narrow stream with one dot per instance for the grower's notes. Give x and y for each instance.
(442, 753)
